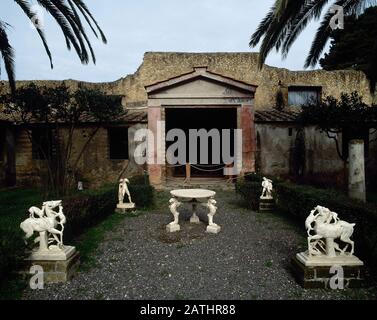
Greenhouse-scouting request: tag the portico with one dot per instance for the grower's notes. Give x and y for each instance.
(179, 103)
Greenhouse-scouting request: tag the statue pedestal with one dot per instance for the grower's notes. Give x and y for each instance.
(266, 204)
(214, 229)
(125, 207)
(315, 272)
(173, 228)
(55, 268)
(52, 255)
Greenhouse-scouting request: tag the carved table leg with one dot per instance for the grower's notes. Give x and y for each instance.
(174, 226)
(194, 218)
(212, 227)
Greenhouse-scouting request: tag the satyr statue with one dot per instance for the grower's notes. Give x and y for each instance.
(211, 205)
(174, 205)
(123, 191)
(48, 223)
(324, 227)
(267, 189)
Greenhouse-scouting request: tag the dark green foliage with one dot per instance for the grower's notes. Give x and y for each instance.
(12, 213)
(12, 249)
(298, 201)
(88, 209)
(348, 115)
(349, 111)
(250, 192)
(143, 194)
(354, 46)
(50, 110)
(287, 19)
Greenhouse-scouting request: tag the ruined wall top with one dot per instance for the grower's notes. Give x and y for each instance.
(160, 66)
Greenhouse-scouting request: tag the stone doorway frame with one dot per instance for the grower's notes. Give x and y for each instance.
(187, 91)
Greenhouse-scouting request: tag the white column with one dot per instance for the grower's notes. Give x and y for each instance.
(356, 179)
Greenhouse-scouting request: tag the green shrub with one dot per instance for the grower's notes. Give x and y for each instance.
(87, 209)
(12, 251)
(253, 177)
(250, 192)
(298, 201)
(143, 194)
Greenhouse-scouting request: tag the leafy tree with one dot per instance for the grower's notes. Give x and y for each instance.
(353, 47)
(288, 18)
(59, 112)
(349, 116)
(68, 14)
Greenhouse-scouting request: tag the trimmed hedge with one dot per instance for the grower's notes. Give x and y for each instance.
(88, 209)
(250, 193)
(298, 201)
(142, 193)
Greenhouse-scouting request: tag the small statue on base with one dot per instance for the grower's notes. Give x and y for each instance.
(267, 189)
(122, 192)
(174, 205)
(50, 226)
(212, 227)
(267, 203)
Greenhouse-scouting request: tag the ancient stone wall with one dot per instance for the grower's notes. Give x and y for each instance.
(95, 167)
(158, 67)
(322, 164)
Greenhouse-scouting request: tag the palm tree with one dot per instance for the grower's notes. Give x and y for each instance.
(68, 15)
(288, 18)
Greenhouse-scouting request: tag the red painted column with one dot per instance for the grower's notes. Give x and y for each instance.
(248, 138)
(155, 169)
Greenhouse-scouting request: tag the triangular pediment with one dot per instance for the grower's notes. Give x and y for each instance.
(200, 83)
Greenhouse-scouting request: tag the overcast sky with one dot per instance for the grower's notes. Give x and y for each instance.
(136, 26)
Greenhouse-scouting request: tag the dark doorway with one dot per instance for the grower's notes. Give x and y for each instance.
(201, 118)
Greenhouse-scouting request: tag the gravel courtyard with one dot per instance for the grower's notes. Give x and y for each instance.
(249, 260)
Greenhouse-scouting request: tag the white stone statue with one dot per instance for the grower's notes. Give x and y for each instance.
(174, 205)
(211, 205)
(324, 227)
(50, 226)
(122, 192)
(267, 189)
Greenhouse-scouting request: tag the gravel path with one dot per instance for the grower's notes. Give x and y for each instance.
(249, 259)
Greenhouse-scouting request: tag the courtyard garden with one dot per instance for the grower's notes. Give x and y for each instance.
(133, 257)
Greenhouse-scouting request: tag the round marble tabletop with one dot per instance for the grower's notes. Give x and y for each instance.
(193, 193)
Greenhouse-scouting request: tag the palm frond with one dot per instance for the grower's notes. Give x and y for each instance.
(7, 54)
(262, 28)
(279, 27)
(65, 26)
(310, 11)
(324, 31)
(25, 6)
(89, 17)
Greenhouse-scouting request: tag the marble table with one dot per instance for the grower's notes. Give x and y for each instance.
(194, 197)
